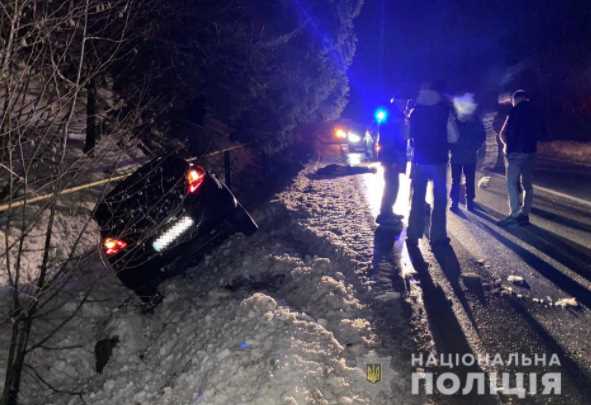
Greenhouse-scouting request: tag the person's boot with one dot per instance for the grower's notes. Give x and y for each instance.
(455, 206)
(507, 221)
(390, 220)
(470, 205)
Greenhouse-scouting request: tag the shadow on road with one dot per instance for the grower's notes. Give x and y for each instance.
(448, 261)
(385, 267)
(579, 376)
(383, 243)
(564, 251)
(571, 254)
(559, 219)
(447, 333)
(561, 280)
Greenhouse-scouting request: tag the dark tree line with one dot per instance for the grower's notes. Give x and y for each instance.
(264, 69)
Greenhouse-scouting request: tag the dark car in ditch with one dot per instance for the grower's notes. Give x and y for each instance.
(163, 217)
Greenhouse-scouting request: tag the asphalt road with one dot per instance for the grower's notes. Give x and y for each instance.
(499, 290)
(571, 179)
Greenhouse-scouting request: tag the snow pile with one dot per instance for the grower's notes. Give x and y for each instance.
(335, 213)
(223, 351)
(72, 224)
(282, 317)
(66, 359)
(567, 303)
(335, 218)
(253, 324)
(517, 280)
(569, 151)
(71, 228)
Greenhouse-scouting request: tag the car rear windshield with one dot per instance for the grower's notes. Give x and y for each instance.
(158, 183)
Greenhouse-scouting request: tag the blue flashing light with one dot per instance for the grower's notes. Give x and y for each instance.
(381, 115)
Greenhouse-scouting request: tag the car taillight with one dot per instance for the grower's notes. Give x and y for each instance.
(113, 246)
(195, 177)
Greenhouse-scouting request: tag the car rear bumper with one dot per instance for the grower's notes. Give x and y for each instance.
(142, 267)
(148, 273)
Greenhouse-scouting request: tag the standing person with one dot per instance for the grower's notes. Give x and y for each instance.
(519, 136)
(392, 155)
(432, 128)
(463, 158)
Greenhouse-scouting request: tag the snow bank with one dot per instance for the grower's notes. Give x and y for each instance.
(282, 317)
(73, 211)
(573, 152)
(254, 323)
(73, 234)
(221, 348)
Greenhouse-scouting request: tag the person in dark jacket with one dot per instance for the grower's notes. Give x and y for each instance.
(519, 135)
(432, 127)
(464, 157)
(392, 155)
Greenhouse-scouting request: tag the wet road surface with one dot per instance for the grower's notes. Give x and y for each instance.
(502, 290)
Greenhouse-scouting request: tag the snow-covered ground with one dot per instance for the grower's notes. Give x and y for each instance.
(568, 151)
(287, 316)
(72, 225)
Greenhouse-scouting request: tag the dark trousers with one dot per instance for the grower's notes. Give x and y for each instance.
(469, 170)
(420, 176)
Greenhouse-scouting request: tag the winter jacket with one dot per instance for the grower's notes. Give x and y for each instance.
(432, 127)
(472, 136)
(524, 128)
(393, 141)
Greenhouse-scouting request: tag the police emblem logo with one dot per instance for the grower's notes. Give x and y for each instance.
(374, 373)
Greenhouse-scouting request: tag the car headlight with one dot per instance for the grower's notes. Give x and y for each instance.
(353, 137)
(340, 133)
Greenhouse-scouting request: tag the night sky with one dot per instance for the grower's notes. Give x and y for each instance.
(482, 46)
